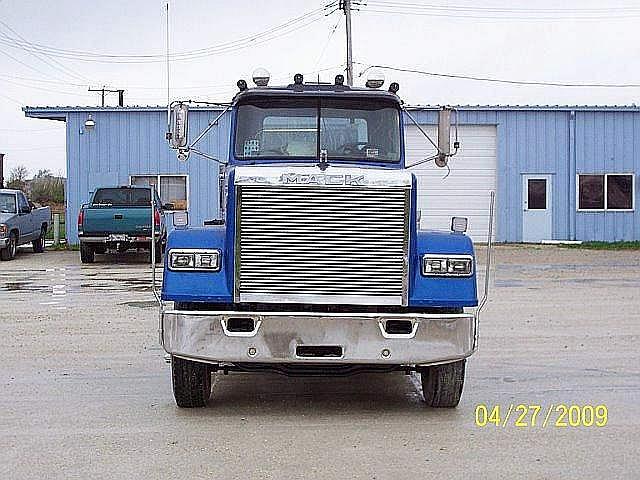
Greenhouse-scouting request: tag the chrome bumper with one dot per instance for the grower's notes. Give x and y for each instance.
(4, 241)
(435, 338)
(117, 238)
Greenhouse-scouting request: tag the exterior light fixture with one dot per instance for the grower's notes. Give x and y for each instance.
(89, 123)
(261, 77)
(375, 79)
(459, 224)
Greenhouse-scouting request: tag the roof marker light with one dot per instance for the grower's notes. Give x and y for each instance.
(261, 77)
(339, 79)
(375, 79)
(298, 79)
(242, 85)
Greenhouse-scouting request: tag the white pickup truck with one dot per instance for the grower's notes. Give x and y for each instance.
(21, 222)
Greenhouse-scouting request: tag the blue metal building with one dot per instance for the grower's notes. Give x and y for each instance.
(560, 173)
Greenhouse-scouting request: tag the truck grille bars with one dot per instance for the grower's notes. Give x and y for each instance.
(322, 244)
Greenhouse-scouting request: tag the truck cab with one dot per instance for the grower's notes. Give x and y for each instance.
(318, 266)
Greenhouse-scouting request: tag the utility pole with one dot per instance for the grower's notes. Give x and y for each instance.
(1, 170)
(345, 5)
(105, 90)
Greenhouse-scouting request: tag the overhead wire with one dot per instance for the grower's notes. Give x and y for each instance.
(273, 33)
(53, 63)
(500, 80)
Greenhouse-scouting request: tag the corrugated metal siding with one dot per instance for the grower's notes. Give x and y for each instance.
(125, 143)
(560, 141)
(608, 142)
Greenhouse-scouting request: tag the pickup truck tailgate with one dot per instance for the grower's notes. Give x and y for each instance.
(129, 220)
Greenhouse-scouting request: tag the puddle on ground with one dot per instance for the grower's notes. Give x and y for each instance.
(61, 287)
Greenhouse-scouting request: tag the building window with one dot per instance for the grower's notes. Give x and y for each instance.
(619, 192)
(610, 191)
(171, 188)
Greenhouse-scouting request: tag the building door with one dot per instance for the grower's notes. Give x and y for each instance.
(536, 208)
(464, 190)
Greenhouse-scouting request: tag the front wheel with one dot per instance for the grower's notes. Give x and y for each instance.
(191, 382)
(442, 384)
(38, 244)
(9, 253)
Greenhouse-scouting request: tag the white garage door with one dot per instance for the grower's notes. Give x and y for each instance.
(465, 192)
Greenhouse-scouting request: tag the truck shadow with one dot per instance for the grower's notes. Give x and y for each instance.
(248, 394)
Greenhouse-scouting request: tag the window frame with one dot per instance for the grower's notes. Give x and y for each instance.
(606, 206)
(158, 190)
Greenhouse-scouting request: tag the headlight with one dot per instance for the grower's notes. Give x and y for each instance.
(447, 265)
(194, 260)
(3, 230)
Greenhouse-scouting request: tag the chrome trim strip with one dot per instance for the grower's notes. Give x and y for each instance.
(322, 299)
(333, 176)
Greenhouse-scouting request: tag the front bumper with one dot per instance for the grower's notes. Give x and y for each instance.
(204, 336)
(4, 242)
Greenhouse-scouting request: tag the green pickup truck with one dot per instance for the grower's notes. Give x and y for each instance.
(119, 219)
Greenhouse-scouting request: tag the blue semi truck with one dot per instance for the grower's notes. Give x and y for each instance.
(318, 265)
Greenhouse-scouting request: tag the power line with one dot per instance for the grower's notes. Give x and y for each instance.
(55, 64)
(273, 33)
(501, 13)
(500, 80)
(480, 8)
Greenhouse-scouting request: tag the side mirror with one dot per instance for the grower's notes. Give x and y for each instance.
(31, 204)
(179, 126)
(444, 136)
(25, 209)
(168, 206)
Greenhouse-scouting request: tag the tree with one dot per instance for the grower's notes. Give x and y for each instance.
(18, 178)
(45, 188)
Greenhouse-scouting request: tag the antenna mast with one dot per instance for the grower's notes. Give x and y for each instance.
(168, 76)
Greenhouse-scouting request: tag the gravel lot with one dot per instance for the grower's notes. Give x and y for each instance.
(86, 392)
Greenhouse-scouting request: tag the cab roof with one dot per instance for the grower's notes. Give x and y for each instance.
(325, 90)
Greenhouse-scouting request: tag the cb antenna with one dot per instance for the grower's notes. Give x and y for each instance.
(168, 77)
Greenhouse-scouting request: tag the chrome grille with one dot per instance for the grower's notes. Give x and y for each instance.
(320, 244)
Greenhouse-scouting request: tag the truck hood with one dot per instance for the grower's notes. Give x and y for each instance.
(5, 217)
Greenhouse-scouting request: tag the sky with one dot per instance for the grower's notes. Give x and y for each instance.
(52, 52)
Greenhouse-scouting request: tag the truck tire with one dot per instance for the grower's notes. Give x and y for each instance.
(38, 244)
(87, 253)
(9, 253)
(442, 384)
(191, 382)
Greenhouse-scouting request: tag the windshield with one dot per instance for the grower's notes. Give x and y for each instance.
(123, 197)
(351, 129)
(7, 203)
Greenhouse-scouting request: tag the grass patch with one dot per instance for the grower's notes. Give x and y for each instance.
(63, 246)
(606, 246)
